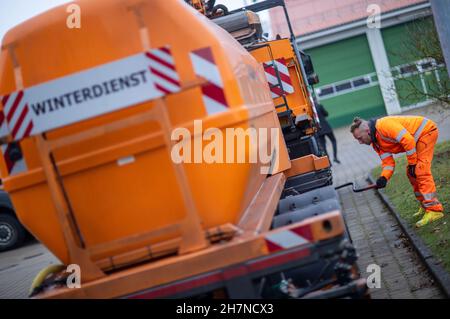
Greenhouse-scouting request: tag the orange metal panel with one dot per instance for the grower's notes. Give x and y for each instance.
(258, 217)
(298, 101)
(307, 164)
(110, 200)
(165, 270)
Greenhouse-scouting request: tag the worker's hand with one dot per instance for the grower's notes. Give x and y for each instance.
(381, 182)
(412, 170)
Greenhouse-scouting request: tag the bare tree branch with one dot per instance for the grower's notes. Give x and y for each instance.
(419, 43)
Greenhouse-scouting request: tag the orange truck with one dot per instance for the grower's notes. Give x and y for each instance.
(290, 80)
(120, 171)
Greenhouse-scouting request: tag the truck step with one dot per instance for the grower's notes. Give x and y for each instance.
(307, 182)
(298, 215)
(292, 203)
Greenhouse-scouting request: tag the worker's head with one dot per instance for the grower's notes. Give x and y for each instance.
(361, 131)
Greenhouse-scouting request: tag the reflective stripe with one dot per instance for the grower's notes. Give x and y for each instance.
(388, 168)
(385, 155)
(431, 203)
(387, 138)
(418, 194)
(400, 135)
(420, 129)
(429, 196)
(411, 151)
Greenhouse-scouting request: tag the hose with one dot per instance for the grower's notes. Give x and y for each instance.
(356, 190)
(210, 4)
(218, 7)
(42, 275)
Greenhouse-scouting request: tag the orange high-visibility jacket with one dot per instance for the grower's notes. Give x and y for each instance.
(398, 134)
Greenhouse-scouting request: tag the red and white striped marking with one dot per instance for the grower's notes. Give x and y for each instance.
(4, 131)
(45, 106)
(13, 167)
(288, 238)
(316, 116)
(213, 92)
(162, 67)
(16, 112)
(272, 78)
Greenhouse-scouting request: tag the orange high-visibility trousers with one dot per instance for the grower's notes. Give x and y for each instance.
(423, 184)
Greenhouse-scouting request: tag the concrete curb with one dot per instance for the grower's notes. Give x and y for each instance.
(441, 276)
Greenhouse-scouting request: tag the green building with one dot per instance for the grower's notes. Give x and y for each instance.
(365, 68)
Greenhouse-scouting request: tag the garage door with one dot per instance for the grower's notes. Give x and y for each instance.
(348, 83)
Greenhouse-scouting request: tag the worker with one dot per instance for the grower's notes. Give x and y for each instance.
(325, 130)
(415, 135)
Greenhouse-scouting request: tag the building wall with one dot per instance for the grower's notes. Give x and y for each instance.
(364, 71)
(350, 83)
(308, 16)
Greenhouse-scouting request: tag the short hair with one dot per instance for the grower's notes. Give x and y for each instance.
(357, 121)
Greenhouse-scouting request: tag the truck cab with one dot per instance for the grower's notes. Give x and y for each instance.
(289, 71)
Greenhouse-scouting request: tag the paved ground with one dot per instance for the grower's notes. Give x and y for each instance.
(19, 267)
(374, 231)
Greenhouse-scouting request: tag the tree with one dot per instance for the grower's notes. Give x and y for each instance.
(423, 74)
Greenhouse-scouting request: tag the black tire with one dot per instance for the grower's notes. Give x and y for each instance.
(12, 233)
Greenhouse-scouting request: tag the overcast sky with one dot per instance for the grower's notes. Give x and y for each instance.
(13, 12)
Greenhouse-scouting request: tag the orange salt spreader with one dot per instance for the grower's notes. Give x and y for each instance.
(114, 122)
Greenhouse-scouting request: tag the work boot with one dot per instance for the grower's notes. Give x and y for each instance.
(337, 161)
(430, 216)
(420, 212)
